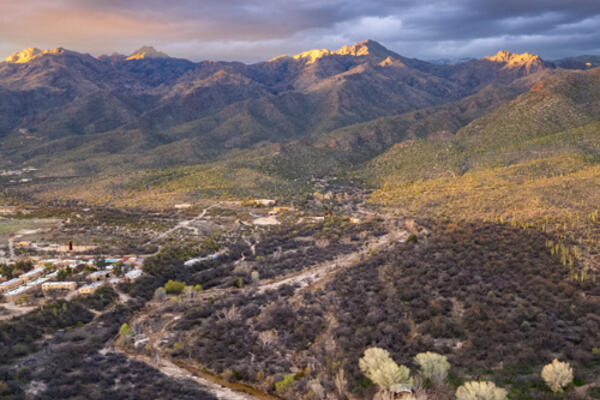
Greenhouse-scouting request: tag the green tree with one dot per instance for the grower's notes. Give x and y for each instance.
(24, 265)
(6, 271)
(64, 274)
(118, 269)
(100, 262)
(174, 287)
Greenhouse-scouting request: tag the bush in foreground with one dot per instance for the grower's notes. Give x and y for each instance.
(433, 367)
(557, 375)
(378, 366)
(174, 287)
(480, 391)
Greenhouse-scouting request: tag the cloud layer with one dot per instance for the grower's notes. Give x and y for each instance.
(253, 30)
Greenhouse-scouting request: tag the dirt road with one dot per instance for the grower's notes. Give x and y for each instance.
(309, 276)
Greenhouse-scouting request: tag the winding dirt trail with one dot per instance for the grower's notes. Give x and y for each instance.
(172, 370)
(222, 389)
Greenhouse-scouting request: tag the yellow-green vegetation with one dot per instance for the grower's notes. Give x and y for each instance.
(285, 383)
(433, 367)
(534, 162)
(382, 370)
(238, 178)
(10, 226)
(174, 287)
(125, 330)
(480, 391)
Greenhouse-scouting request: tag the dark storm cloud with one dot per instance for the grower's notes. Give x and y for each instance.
(252, 30)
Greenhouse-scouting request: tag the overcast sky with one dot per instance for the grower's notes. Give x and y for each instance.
(254, 30)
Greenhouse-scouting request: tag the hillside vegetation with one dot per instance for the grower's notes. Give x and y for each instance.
(534, 160)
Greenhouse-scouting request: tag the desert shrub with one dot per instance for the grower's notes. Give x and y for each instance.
(433, 367)
(557, 375)
(174, 287)
(24, 265)
(100, 299)
(284, 384)
(125, 330)
(160, 294)
(480, 391)
(17, 334)
(378, 366)
(316, 387)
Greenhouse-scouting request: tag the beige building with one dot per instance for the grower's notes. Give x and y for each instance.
(89, 289)
(10, 285)
(14, 294)
(50, 286)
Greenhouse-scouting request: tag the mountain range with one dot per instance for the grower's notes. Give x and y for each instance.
(73, 114)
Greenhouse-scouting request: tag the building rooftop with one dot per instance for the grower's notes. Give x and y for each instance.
(134, 274)
(19, 290)
(91, 285)
(104, 272)
(38, 281)
(11, 282)
(60, 283)
(38, 270)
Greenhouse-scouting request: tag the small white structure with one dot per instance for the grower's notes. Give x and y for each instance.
(196, 260)
(89, 289)
(264, 221)
(115, 281)
(133, 275)
(265, 202)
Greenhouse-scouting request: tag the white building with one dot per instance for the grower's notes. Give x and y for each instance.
(133, 275)
(66, 285)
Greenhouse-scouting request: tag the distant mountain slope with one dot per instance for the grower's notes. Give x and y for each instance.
(535, 158)
(505, 136)
(579, 62)
(73, 104)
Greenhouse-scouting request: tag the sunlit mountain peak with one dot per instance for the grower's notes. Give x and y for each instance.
(146, 52)
(26, 55)
(513, 59)
(364, 48)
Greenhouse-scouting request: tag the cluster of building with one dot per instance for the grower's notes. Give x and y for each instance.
(43, 276)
